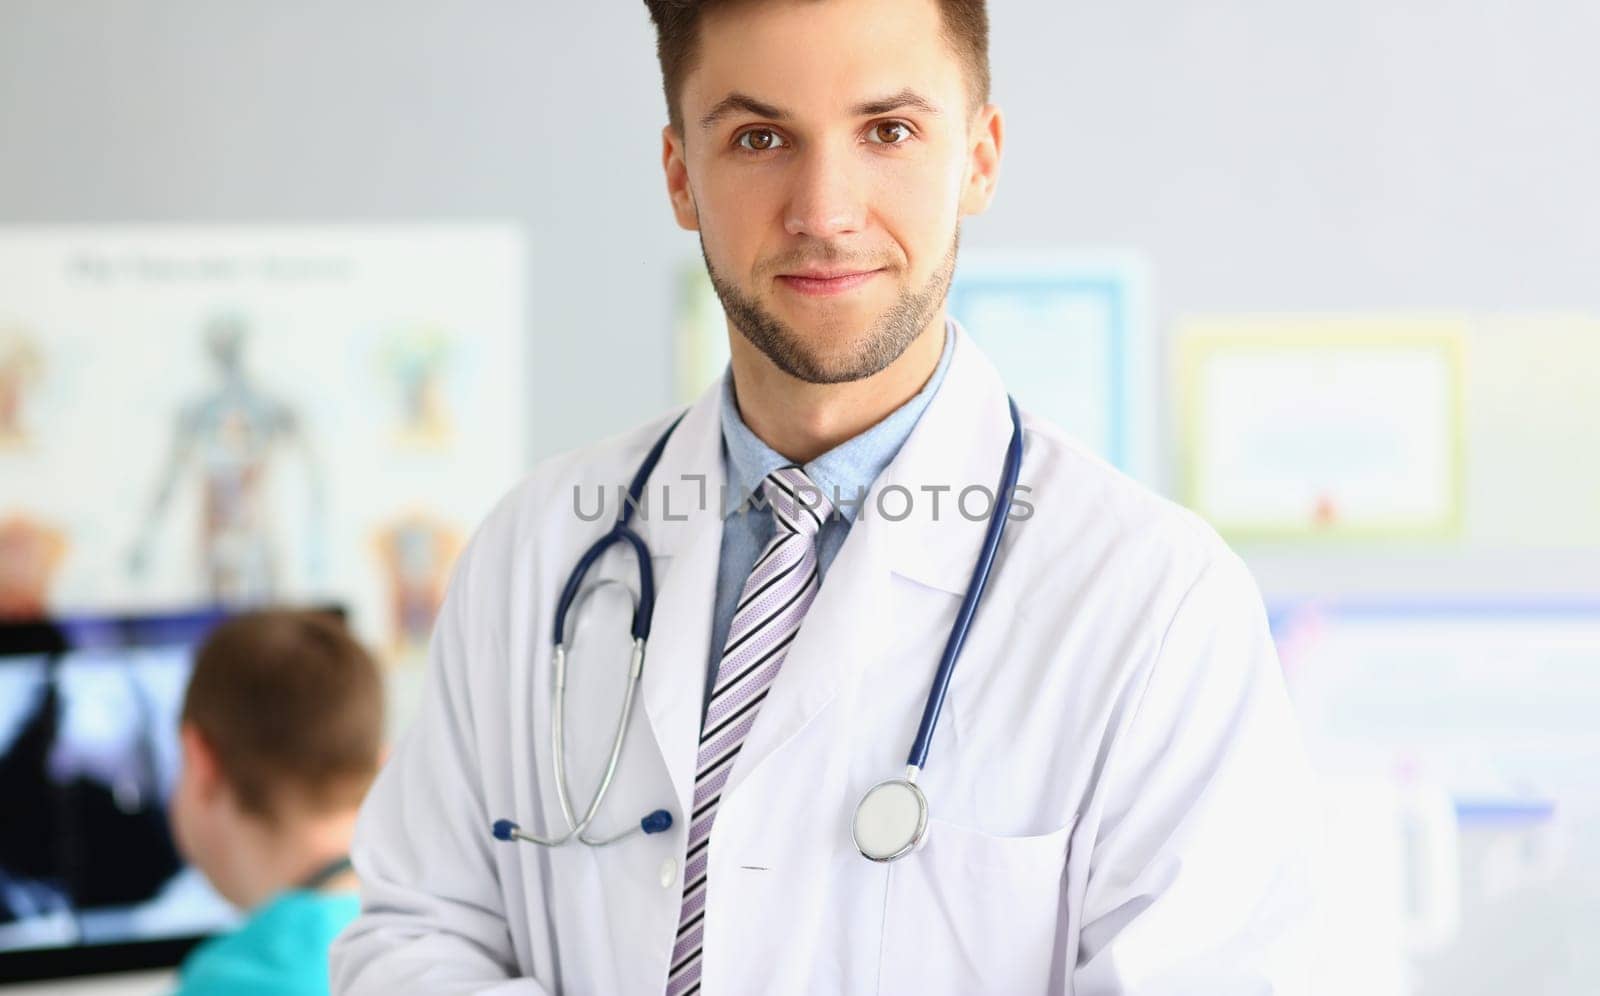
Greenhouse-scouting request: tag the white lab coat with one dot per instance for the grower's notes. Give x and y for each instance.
(1119, 800)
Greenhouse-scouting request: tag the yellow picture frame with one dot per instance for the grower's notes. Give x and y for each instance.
(1202, 341)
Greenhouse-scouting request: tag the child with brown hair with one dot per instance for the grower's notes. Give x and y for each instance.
(281, 736)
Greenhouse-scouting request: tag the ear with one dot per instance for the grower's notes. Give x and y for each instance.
(983, 162)
(200, 761)
(672, 162)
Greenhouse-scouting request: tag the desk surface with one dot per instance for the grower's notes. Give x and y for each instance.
(120, 984)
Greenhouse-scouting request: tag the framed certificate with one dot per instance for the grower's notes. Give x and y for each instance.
(1336, 428)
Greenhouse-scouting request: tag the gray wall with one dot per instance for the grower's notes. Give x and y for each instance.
(1344, 155)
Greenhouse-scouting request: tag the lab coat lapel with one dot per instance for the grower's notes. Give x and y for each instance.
(959, 443)
(840, 636)
(685, 536)
(960, 440)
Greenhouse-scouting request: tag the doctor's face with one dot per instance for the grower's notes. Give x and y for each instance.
(829, 151)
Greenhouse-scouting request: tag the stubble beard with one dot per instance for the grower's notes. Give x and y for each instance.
(866, 351)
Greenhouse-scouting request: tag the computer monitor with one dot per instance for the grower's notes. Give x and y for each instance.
(90, 880)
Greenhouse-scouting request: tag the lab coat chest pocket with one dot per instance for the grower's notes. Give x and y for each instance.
(971, 912)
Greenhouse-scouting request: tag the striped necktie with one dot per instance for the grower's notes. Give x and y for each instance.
(771, 605)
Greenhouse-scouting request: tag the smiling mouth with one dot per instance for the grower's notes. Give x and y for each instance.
(813, 286)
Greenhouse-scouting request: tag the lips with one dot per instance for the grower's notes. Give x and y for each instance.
(824, 283)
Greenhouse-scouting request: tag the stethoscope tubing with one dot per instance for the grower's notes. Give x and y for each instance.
(644, 608)
(999, 513)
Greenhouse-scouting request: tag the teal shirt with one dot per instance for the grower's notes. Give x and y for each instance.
(281, 950)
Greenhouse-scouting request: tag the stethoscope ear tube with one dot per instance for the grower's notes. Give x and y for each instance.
(635, 669)
(643, 610)
(655, 822)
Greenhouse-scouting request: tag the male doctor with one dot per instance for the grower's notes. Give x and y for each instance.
(1117, 799)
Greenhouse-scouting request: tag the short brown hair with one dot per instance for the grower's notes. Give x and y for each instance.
(966, 27)
(293, 707)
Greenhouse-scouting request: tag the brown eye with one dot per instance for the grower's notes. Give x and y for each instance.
(890, 133)
(759, 140)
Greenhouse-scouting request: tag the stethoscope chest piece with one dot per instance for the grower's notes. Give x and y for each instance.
(891, 820)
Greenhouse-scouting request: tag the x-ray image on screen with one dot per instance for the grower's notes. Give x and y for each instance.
(88, 761)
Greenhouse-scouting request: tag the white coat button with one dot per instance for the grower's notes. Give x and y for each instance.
(669, 873)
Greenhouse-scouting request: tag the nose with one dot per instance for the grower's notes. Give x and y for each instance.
(826, 200)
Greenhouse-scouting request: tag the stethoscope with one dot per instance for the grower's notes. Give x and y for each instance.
(891, 820)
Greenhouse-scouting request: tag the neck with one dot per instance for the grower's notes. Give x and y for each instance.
(801, 421)
(271, 859)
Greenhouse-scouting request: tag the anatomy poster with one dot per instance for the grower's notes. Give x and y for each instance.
(251, 415)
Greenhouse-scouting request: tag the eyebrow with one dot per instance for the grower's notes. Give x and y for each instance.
(736, 101)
